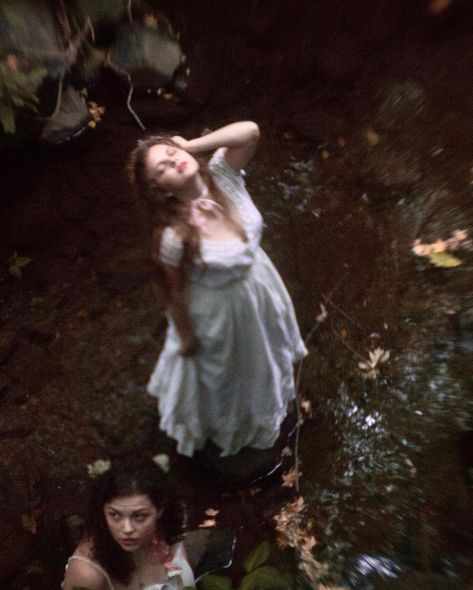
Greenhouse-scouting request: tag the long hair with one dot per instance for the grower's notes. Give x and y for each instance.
(167, 210)
(125, 478)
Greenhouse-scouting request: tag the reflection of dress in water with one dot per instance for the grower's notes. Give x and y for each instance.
(235, 390)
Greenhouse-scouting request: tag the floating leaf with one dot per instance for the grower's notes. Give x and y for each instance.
(289, 478)
(211, 512)
(98, 467)
(16, 264)
(264, 578)
(207, 524)
(372, 137)
(257, 556)
(162, 460)
(444, 260)
(212, 582)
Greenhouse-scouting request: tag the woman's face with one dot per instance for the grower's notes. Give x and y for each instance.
(132, 521)
(170, 167)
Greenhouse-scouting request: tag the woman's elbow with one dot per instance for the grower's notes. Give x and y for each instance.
(254, 131)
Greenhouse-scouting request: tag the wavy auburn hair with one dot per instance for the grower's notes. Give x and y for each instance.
(127, 478)
(167, 210)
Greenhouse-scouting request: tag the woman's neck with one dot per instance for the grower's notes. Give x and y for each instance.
(194, 189)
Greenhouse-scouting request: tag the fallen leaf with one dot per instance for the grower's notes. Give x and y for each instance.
(372, 137)
(444, 260)
(306, 405)
(307, 543)
(342, 142)
(325, 154)
(211, 512)
(211, 522)
(344, 333)
(162, 461)
(98, 467)
(289, 478)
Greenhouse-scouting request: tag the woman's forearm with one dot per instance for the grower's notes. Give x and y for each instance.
(177, 309)
(234, 135)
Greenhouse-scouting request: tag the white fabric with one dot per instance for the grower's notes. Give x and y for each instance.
(235, 390)
(176, 580)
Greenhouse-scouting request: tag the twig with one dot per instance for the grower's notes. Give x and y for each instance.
(354, 322)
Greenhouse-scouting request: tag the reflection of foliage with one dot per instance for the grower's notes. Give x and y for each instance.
(17, 91)
(258, 575)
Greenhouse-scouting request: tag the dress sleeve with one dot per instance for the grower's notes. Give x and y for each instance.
(171, 247)
(233, 185)
(224, 173)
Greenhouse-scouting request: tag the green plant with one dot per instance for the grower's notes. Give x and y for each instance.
(17, 91)
(258, 576)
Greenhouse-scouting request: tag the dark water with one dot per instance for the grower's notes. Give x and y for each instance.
(386, 463)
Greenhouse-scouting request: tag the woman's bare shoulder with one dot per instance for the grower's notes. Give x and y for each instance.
(82, 571)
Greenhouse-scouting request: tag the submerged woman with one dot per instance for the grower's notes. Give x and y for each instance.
(136, 524)
(225, 373)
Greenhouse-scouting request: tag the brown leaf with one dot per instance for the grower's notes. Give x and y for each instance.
(289, 478)
(207, 524)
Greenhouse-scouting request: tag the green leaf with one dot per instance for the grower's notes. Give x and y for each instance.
(22, 261)
(210, 582)
(264, 578)
(444, 260)
(257, 556)
(7, 118)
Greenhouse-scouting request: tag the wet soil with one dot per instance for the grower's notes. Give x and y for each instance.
(357, 160)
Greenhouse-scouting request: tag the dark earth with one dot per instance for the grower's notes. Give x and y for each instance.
(366, 113)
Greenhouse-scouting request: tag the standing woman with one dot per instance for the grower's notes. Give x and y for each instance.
(225, 373)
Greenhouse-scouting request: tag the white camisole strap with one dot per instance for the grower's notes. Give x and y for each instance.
(95, 566)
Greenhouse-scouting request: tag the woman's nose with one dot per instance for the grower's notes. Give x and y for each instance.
(127, 525)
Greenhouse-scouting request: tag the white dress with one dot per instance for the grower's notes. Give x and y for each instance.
(177, 579)
(236, 388)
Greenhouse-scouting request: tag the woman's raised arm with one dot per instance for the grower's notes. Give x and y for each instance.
(238, 139)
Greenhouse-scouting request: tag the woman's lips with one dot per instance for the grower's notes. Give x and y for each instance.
(128, 541)
(181, 166)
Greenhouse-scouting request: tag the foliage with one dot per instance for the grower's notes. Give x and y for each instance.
(16, 263)
(17, 91)
(258, 576)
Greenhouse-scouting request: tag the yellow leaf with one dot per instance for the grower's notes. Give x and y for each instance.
(211, 512)
(325, 154)
(372, 137)
(92, 124)
(444, 260)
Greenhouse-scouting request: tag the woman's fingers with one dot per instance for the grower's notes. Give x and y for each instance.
(181, 142)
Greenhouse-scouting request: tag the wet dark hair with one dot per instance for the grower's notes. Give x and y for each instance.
(167, 210)
(129, 477)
